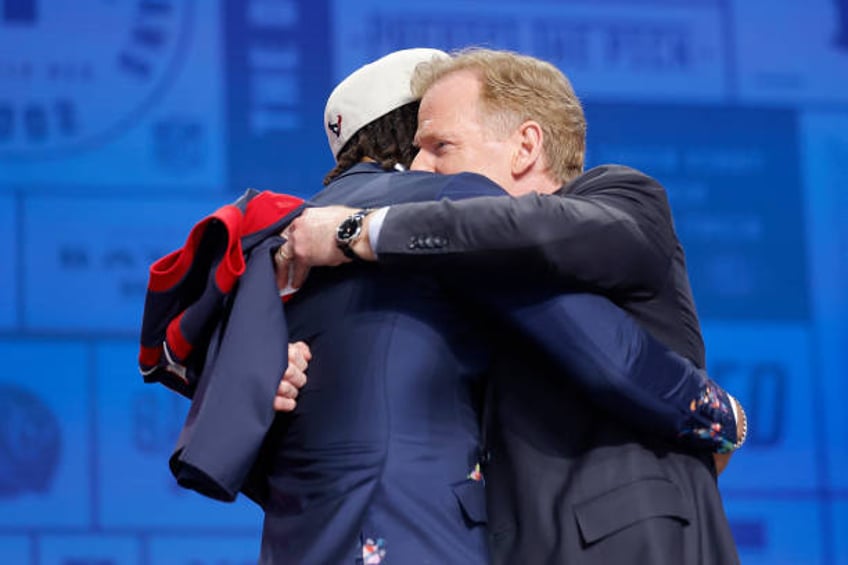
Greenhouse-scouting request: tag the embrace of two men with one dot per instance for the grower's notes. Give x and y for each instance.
(519, 378)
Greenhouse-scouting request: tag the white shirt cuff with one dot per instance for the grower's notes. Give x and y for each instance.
(375, 224)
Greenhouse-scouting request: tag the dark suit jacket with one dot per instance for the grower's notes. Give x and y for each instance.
(566, 483)
(228, 402)
(380, 453)
(212, 327)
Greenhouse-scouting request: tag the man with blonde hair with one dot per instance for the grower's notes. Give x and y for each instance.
(514, 89)
(565, 482)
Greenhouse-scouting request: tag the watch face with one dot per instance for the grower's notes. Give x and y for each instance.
(68, 81)
(349, 228)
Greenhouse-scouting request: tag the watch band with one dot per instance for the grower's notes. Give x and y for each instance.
(348, 252)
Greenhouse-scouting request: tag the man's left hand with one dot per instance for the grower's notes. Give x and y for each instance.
(721, 461)
(311, 242)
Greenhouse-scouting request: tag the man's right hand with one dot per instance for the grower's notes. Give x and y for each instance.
(294, 378)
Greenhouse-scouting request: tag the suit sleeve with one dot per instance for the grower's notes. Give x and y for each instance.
(232, 408)
(611, 232)
(621, 367)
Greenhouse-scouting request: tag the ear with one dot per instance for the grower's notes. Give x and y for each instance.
(528, 148)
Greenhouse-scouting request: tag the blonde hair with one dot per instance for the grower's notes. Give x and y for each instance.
(516, 88)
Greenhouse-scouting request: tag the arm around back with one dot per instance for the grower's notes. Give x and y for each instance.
(610, 229)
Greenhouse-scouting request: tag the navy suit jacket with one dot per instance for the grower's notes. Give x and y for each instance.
(380, 454)
(566, 483)
(386, 323)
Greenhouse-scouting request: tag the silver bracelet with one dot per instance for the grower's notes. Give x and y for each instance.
(741, 420)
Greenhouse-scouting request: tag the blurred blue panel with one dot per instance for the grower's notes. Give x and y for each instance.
(15, 549)
(277, 85)
(792, 51)
(750, 535)
(86, 260)
(45, 435)
(840, 525)
(782, 531)
(188, 550)
(89, 550)
(19, 11)
(119, 106)
(826, 171)
(138, 426)
(732, 175)
(768, 368)
(9, 266)
(653, 51)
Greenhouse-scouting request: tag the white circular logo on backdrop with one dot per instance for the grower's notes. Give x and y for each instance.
(75, 74)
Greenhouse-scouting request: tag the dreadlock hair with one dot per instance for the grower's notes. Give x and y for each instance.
(387, 140)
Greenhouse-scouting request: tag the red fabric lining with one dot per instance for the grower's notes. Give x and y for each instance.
(149, 356)
(170, 269)
(266, 208)
(177, 343)
(232, 263)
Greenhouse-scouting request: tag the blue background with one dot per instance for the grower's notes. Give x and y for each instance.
(124, 122)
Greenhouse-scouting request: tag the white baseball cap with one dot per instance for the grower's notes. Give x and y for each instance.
(371, 92)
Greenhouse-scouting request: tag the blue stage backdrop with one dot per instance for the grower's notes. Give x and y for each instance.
(123, 122)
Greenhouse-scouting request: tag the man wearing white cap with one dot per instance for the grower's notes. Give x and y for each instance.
(380, 460)
(568, 484)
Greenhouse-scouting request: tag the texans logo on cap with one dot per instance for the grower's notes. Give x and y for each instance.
(336, 128)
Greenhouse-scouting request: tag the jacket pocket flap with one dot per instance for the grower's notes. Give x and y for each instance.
(472, 500)
(628, 504)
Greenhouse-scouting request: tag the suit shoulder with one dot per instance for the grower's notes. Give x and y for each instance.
(614, 177)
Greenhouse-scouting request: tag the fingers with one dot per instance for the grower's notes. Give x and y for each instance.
(291, 268)
(299, 273)
(294, 378)
(301, 250)
(284, 404)
(300, 354)
(287, 390)
(283, 267)
(285, 400)
(284, 255)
